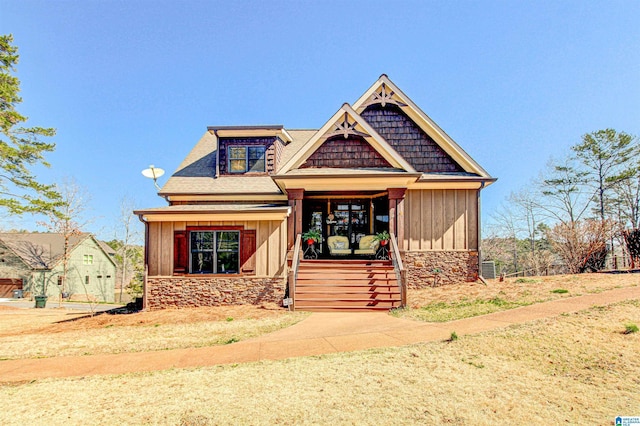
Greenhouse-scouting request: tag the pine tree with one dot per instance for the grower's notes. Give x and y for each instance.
(20, 147)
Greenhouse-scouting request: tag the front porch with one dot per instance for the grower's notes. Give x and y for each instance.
(344, 224)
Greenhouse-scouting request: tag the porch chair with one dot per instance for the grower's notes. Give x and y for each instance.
(368, 246)
(338, 245)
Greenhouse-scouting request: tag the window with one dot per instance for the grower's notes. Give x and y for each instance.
(87, 259)
(86, 279)
(214, 252)
(207, 250)
(246, 159)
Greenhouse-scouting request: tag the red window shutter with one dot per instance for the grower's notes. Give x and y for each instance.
(248, 251)
(180, 252)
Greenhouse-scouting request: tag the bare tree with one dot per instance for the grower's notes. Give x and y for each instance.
(581, 245)
(564, 197)
(69, 219)
(126, 242)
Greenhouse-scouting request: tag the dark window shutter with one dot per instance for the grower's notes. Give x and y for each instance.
(180, 252)
(248, 251)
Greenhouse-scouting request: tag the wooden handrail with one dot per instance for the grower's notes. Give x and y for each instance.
(293, 273)
(399, 268)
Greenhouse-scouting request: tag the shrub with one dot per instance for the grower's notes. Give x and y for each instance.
(630, 328)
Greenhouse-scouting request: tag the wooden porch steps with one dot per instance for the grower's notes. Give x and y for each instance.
(346, 285)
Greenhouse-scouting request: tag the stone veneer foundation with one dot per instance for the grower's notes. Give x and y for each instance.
(455, 266)
(189, 292)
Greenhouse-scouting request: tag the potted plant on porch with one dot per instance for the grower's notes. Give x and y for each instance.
(312, 236)
(383, 237)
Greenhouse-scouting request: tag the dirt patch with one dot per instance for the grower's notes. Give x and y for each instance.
(7, 308)
(36, 333)
(58, 321)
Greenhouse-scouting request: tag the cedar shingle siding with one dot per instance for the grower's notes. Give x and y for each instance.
(339, 152)
(409, 140)
(268, 143)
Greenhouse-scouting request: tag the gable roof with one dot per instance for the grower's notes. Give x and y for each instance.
(346, 122)
(42, 251)
(432, 156)
(384, 91)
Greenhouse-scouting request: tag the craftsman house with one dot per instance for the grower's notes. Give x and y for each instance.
(243, 197)
(34, 263)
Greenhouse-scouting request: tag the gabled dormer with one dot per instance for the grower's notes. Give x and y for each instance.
(249, 150)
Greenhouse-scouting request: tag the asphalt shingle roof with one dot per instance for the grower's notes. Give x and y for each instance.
(39, 250)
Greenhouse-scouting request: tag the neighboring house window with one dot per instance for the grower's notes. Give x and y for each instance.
(214, 252)
(87, 259)
(60, 281)
(246, 159)
(86, 279)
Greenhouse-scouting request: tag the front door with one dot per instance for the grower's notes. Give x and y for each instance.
(349, 218)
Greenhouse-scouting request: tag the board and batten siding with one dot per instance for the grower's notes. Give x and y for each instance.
(271, 245)
(441, 219)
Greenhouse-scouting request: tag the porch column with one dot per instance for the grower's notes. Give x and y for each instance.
(294, 222)
(396, 214)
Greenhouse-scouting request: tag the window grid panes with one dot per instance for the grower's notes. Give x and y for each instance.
(237, 159)
(215, 252)
(246, 159)
(256, 158)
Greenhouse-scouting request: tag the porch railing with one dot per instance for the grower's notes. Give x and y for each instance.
(293, 272)
(401, 273)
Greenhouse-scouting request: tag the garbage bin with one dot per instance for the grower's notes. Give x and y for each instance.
(41, 301)
(17, 294)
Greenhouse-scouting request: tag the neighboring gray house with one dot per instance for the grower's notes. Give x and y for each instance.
(34, 262)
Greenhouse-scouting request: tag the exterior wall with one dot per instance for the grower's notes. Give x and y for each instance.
(441, 233)
(184, 292)
(350, 153)
(271, 245)
(441, 219)
(453, 266)
(409, 140)
(102, 274)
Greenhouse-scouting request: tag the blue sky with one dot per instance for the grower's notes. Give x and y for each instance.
(132, 83)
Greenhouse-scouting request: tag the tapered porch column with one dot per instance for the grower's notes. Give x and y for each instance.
(294, 222)
(396, 214)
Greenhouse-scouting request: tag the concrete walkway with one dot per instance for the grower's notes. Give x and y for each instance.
(320, 333)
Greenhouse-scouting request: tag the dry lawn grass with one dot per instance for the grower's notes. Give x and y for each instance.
(40, 333)
(451, 302)
(573, 369)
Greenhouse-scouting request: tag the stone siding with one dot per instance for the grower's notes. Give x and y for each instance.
(188, 292)
(455, 267)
